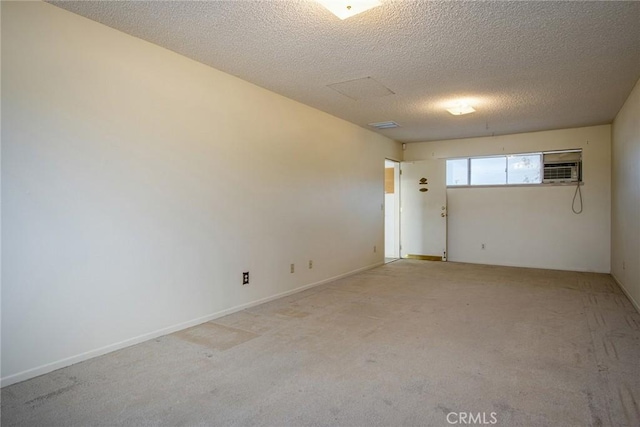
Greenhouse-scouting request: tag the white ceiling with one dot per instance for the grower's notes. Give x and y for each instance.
(527, 65)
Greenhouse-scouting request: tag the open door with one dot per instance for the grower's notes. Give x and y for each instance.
(423, 213)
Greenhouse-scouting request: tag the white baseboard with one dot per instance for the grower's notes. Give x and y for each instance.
(49, 367)
(634, 302)
(535, 267)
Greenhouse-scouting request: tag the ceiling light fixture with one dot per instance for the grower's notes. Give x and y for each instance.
(461, 108)
(344, 9)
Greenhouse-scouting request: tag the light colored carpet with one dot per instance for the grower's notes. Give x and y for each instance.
(403, 344)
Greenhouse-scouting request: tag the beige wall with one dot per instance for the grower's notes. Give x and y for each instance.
(138, 185)
(530, 226)
(625, 208)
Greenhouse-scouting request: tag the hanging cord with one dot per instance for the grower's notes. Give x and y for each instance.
(573, 204)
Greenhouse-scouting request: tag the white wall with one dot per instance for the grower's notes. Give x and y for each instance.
(138, 185)
(532, 226)
(390, 225)
(625, 207)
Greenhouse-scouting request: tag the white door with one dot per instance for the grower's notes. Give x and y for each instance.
(423, 210)
(392, 209)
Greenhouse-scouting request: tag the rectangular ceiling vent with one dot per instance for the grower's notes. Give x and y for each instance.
(359, 89)
(384, 125)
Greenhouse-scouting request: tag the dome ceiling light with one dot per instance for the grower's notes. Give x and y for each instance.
(344, 9)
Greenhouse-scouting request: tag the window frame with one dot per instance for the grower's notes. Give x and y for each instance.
(506, 157)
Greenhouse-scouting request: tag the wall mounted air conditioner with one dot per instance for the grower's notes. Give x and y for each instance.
(562, 166)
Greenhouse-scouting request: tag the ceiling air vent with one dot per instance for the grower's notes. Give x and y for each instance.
(384, 125)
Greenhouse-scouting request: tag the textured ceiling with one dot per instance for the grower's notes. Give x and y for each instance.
(525, 65)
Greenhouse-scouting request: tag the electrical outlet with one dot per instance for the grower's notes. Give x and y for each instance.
(482, 245)
(375, 249)
(623, 265)
(310, 264)
(245, 278)
(293, 268)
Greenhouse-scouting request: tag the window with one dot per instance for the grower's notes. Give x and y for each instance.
(524, 169)
(458, 172)
(489, 171)
(516, 169)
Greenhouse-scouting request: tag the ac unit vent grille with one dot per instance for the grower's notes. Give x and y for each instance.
(562, 172)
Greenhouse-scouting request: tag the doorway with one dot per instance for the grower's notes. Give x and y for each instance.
(391, 210)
